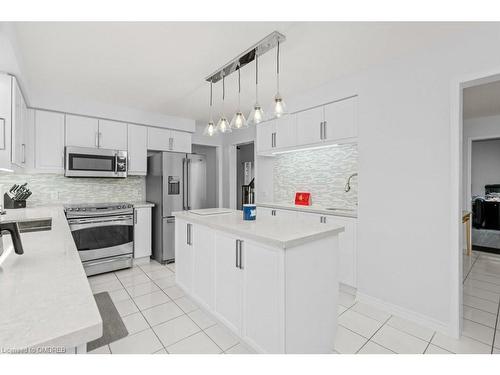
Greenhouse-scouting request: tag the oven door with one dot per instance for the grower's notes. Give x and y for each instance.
(103, 237)
(89, 162)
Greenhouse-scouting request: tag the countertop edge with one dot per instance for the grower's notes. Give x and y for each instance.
(307, 209)
(142, 204)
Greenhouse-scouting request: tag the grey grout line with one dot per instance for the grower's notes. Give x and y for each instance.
(429, 343)
(470, 269)
(369, 339)
(495, 330)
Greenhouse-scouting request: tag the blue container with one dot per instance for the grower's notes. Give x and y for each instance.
(249, 212)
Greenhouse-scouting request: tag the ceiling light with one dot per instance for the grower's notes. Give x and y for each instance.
(210, 129)
(279, 104)
(257, 114)
(223, 124)
(239, 121)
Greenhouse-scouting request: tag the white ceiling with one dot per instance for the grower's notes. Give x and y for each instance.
(161, 67)
(482, 100)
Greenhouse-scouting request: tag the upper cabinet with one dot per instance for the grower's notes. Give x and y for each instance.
(330, 123)
(82, 131)
(276, 133)
(340, 120)
(49, 141)
(309, 126)
(20, 118)
(169, 140)
(112, 135)
(5, 120)
(137, 150)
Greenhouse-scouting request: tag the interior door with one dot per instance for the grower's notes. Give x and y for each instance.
(173, 182)
(196, 182)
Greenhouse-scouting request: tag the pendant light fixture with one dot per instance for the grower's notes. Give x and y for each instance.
(223, 124)
(239, 121)
(279, 104)
(210, 129)
(257, 114)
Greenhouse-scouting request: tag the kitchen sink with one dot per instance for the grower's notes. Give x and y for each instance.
(35, 225)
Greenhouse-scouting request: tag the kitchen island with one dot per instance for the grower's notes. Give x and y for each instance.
(274, 283)
(46, 304)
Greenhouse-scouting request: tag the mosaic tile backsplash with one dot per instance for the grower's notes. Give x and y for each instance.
(56, 189)
(322, 172)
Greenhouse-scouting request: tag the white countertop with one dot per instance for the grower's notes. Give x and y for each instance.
(142, 204)
(312, 209)
(45, 297)
(278, 232)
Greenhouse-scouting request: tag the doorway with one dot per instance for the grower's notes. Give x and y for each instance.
(212, 173)
(245, 174)
(478, 260)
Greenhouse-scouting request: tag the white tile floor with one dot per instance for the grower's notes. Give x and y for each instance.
(161, 319)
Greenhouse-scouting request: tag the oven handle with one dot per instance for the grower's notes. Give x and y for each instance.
(106, 223)
(102, 261)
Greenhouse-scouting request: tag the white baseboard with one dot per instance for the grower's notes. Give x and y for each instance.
(406, 314)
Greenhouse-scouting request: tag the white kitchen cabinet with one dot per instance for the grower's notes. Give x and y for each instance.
(347, 243)
(20, 117)
(286, 131)
(159, 139)
(204, 265)
(142, 232)
(181, 141)
(265, 136)
(263, 297)
(169, 140)
(340, 120)
(82, 131)
(228, 282)
(309, 125)
(184, 254)
(137, 150)
(49, 141)
(5, 120)
(112, 135)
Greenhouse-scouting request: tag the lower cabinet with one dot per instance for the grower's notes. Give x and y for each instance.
(228, 282)
(142, 232)
(203, 244)
(184, 254)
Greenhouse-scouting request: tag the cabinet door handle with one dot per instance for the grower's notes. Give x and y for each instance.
(24, 152)
(321, 130)
(97, 139)
(240, 250)
(324, 130)
(189, 233)
(170, 143)
(135, 217)
(236, 254)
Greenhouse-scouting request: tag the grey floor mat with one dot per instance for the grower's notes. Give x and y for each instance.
(113, 327)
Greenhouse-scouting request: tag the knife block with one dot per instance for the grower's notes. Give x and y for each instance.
(9, 202)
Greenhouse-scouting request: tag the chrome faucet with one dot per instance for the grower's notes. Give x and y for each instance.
(13, 229)
(347, 187)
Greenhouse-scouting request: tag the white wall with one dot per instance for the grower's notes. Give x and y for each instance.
(485, 164)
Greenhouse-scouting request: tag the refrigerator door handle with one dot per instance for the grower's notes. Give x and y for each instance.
(183, 182)
(187, 183)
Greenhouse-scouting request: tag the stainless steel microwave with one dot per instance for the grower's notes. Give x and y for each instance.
(95, 162)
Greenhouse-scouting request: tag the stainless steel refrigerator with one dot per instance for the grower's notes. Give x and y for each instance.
(175, 182)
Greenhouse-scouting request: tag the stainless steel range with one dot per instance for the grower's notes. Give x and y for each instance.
(103, 234)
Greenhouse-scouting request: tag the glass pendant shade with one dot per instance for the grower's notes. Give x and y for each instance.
(210, 129)
(279, 106)
(256, 116)
(223, 124)
(279, 103)
(239, 121)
